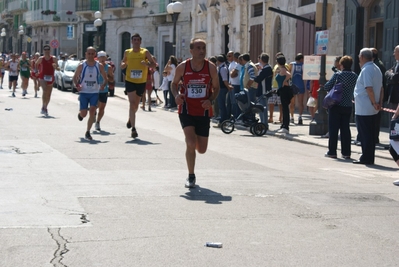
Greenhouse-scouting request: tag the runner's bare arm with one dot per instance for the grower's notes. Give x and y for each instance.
(55, 64)
(38, 62)
(151, 62)
(110, 75)
(179, 98)
(123, 63)
(76, 76)
(104, 74)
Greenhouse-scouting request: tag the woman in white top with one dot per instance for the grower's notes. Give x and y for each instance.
(171, 68)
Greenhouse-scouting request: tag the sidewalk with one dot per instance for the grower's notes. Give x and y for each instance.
(300, 133)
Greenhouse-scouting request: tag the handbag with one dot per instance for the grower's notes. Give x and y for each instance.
(394, 130)
(311, 102)
(334, 96)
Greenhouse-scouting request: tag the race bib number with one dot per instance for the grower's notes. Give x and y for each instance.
(196, 90)
(24, 69)
(48, 78)
(136, 74)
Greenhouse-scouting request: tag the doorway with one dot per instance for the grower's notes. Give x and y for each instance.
(125, 44)
(376, 26)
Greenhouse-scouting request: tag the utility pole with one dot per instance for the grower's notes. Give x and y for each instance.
(320, 126)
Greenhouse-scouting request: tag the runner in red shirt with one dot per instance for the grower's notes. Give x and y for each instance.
(34, 73)
(199, 88)
(47, 64)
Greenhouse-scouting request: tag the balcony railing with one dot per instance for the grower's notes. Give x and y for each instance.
(87, 5)
(119, 4)
(33, 17)
(60, 17)
(17, 6)
(157, 8)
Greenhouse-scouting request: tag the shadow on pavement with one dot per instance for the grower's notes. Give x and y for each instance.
(140, 142)
(203, 194)
(91, 142)
(382, 168)
(46, 117)
(102, 133)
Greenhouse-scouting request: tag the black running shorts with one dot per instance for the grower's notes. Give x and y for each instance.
(102, 97)
(138, 87)
(200, 123)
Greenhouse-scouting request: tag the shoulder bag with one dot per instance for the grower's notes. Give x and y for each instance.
(334, 96)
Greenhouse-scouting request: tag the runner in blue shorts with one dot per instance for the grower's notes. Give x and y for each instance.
(87, 81)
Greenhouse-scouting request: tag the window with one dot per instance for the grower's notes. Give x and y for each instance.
(257, 10)
(377, 10)
(306, 2)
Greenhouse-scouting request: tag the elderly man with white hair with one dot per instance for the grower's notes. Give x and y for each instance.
(367, 104)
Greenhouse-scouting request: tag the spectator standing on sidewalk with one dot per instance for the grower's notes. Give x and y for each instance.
(248, 74)
(234, 71)
(382, 68)
(275, 98)
(296, 68)
(264, 80)
(157, 85)
(339, 115)
(367, 104)
(225, 87)
(171, 69)
(285, 93)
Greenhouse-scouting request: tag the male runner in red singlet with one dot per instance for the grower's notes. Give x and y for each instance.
(47, 65)
(199, 88)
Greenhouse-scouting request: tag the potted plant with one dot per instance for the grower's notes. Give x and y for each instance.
(56, 18)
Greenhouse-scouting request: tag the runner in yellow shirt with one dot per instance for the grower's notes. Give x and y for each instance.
(136, 61)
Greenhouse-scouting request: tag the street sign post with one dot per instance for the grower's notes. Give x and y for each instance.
(312, 67)
(54, 44)
(70, 32)
(321, 42)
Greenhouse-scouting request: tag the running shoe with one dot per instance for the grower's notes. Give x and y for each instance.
(300, 121)
(97, 126)
(42, 111)
(23, 93)
(80, 118)
(35, 94)
(13, 95)
(190, 182)
(292, 120)
(134, 133)
(88, 136)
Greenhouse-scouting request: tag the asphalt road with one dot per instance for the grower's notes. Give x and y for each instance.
(114, 201)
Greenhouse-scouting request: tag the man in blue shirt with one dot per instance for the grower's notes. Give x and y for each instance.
(367, 104)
